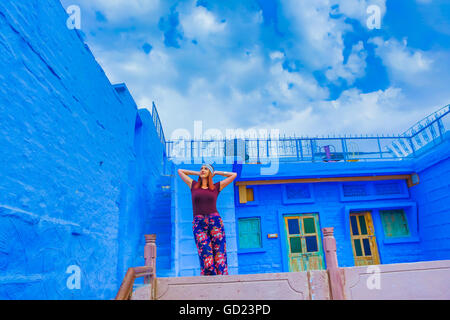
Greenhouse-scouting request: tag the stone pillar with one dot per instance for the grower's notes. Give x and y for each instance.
(150, 254)
(334, 272)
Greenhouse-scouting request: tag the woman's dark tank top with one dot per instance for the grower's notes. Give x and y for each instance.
(204, 200)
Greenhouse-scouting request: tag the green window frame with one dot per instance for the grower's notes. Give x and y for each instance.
(249, 233)
(395, 223)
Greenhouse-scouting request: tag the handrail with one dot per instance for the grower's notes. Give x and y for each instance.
(126, 288)
(148, 271)
(158, 125)
(422, 124)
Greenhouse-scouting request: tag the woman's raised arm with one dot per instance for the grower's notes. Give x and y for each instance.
(230, 177)
(184, 175)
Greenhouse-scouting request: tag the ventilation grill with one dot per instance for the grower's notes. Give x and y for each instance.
(387, 188)
(354, 190)
(297, 191)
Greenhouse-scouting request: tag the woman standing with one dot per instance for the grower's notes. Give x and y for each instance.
(207, 224)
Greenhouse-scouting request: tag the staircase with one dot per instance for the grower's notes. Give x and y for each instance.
(161, 225)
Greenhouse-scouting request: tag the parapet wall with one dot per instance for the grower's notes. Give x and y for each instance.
(403, 281)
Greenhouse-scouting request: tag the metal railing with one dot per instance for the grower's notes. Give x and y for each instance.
(157, 123)
(427, 132)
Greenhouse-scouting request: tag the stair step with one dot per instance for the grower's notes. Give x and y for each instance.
(164, 273)
(163, 236)
(163, 253)
(163, 263)
(161, 221)
(163, 245)
(162, 239)
(163, 249)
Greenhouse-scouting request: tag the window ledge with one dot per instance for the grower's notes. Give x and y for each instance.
(401, 240)
(295, 201)
(248, 203)
(256, 250)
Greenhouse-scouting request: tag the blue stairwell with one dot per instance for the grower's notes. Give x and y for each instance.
(161, 225)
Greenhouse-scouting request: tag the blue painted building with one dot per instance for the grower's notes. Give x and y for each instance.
(85, 174)
(388, 201)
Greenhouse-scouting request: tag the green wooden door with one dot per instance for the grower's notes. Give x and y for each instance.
(304, 242)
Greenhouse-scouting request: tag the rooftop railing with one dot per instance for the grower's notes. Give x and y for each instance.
(426, 133)
(157, 123)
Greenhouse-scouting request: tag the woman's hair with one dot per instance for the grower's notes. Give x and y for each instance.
(209, 180)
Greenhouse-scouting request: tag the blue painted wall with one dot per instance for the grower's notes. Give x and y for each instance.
(426, 206)
(432, 195)
(76, 187)
(332, 212)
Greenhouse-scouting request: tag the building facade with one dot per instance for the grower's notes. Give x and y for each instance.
(387, 209)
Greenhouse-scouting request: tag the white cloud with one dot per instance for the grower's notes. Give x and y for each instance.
(199, 22)
(302, 106)
(403, 63)
(226, 85)
(353, 68)
(135, 67)
(291, 88)
(276, 55)
(357, 9)
(121, 10)
(320, 43)
(353, 112)
(225, 103)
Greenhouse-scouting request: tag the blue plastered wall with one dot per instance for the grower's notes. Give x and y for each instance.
(432, 195)
(333, 210)
(75, 188)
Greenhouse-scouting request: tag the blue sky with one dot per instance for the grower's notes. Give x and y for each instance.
(308, 67)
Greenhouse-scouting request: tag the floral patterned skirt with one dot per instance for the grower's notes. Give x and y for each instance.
(209, 235)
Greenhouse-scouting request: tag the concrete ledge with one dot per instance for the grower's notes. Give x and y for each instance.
(402, 281)
(267, 286)
(142, 293)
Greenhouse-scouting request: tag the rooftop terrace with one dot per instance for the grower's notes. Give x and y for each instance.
(425, 134)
